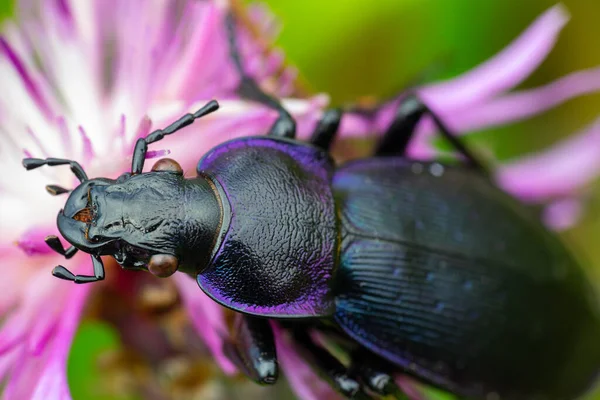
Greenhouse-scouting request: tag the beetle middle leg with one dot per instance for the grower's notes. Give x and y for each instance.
(398, 136)
(252, 348)
(285, 125)
(329, 367)
(375, 375)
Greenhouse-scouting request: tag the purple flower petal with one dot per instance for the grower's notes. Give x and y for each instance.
(302, 378)
(515, 106)
(208, 319)
(557, 172)
(563, 214)
(506, 70)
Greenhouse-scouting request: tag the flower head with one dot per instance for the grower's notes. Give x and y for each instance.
(84, 80)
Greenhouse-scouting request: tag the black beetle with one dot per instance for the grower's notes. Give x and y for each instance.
(430, 268)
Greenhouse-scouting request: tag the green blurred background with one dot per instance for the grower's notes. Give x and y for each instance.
(354, 48)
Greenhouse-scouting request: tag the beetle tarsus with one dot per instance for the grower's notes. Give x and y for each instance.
(62, 273)
(376, 377)
(329, 367)
(252, 349)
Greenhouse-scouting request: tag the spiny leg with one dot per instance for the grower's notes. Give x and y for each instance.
(141, 146)
(54, 243)
(375, 375)
(61, 272)
(327, 128)
(284, 126)
(329, 367)
(399, 134)
(252, 349)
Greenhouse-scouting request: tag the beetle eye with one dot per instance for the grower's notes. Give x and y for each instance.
(169, 165)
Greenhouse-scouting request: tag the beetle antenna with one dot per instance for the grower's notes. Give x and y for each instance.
(54, 243)
(141, 146)
(182, 122)
(33, 163)
(55, 190)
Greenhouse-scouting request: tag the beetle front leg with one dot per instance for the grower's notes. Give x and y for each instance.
(329, 367)
(398, 136)
(63, 273)
(285, 125)
(252, 349)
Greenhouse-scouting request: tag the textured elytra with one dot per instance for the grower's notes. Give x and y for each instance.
(442, 273)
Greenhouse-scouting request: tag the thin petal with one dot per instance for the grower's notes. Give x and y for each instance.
(53, 381)
(505, 70)
(563, 214)
(557, 172)
(303, 380)
(519, 105)
(208, 319)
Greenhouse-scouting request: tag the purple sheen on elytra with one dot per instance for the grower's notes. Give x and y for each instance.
(288, 198)
(301, 376)
(208, 319)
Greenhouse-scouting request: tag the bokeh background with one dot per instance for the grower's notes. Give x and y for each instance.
(356, 48)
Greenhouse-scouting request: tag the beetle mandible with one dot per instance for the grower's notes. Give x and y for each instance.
(430, 268)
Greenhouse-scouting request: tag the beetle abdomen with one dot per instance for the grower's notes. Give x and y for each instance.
(279, 252)
(424, 282)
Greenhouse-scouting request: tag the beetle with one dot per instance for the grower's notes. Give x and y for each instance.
(424, 268)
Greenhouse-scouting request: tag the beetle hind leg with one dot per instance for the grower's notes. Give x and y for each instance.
(400, 133)
(328, 367)
(375, 375)
(252, 349)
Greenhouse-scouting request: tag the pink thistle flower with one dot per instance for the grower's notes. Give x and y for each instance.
(108, 71)
(84, 80)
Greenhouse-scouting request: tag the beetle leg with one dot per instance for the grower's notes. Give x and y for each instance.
(398, 136)
(375, 376)
(327, 128)
(329, 367)
(63, 273)
(252, 349)
(54, 243)
(285, 125)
